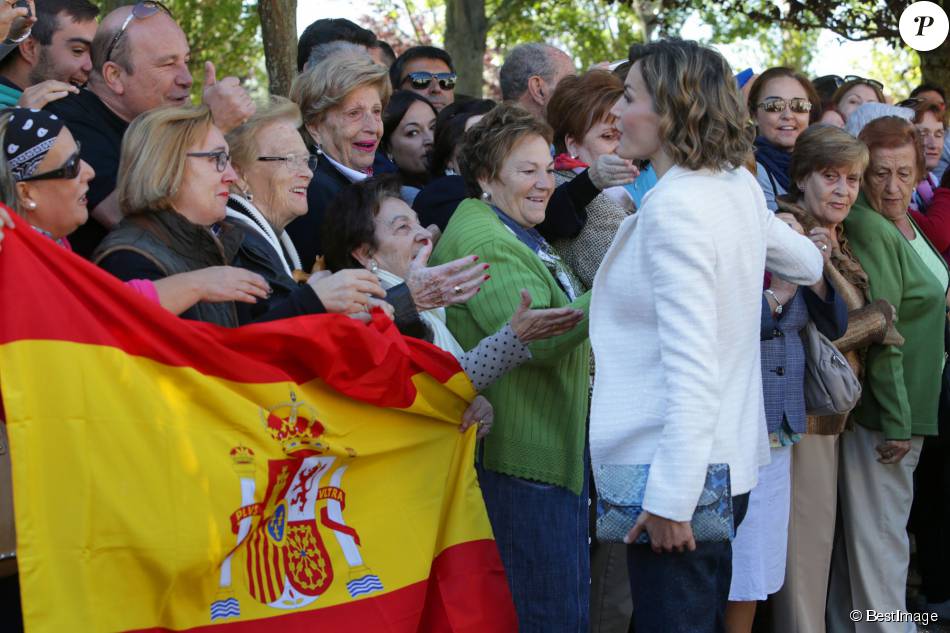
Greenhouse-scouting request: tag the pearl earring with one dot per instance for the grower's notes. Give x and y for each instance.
(373, 266)
(486, 196)
(31, 204)
(319, 149)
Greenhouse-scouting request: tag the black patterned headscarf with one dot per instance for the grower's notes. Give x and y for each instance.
(30, 136)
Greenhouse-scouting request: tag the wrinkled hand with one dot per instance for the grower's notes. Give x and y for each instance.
(822, 241)
(347, 291)
(609, 170)
(665, 535)
(9, 15)
(217, 284)
(448, 284)
(230, 103)
(5, 221)
(39, 95)
(480, 412)
(532, 325)
(892, 451)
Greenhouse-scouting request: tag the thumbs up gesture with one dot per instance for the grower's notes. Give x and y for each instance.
(230, 103)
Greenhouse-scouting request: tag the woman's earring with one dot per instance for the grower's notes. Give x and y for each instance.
(373, 266)
(319, 149)
(247, 194)
(31, 204)
(486, 196)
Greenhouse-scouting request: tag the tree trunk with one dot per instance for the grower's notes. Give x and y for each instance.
(466, 29)
(279, 32)
(935, 65)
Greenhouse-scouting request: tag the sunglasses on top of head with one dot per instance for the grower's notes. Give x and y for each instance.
(141, 10)
(422, 79)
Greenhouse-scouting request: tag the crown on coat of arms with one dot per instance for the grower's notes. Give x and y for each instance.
(242, 455)
(294, 424)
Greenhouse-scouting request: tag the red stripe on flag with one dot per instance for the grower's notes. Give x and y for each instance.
(466, 592)
(53, 294)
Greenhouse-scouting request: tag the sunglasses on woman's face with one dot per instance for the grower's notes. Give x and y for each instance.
(422, 79)
(68, 171)
(797, 105)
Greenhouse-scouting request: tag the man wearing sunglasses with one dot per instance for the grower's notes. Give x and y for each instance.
(54, 58)
(428, 71)
(139, 62)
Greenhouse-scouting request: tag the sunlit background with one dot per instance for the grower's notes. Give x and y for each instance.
(819, 54)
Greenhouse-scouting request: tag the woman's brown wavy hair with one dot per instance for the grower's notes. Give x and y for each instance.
(704, 121)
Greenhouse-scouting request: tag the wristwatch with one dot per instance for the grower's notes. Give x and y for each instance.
(778, 304)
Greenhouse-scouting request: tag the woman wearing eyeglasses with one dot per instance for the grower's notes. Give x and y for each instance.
(783, 103)
(173, 185)
(273, 170)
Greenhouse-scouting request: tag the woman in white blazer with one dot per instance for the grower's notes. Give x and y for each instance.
(675, 319)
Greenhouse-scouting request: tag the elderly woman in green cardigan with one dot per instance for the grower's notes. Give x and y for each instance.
(901, 384)
(532, 467)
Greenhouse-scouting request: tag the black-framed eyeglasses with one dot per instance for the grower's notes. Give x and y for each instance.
(797, 105)
(423, 79)
(221, 158)
(294, 160)
(68, 171)
(141, 10)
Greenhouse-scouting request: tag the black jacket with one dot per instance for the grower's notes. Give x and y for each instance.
(305, 231)
(438, 200)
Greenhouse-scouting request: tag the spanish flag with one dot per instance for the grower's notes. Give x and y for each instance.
(301, 475)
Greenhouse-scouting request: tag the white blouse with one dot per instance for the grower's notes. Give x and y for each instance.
(674, 324)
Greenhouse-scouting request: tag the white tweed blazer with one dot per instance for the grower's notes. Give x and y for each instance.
(674, 323)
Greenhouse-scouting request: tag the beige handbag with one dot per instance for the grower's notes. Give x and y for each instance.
(7, 530)
(830, 384)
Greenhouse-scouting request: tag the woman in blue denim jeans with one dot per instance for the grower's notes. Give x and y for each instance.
(675, 325)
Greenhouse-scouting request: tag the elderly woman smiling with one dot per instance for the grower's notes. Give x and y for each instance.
(273, 168)
(901, 384)
(380, 233)
(533, 466)
(342, 100)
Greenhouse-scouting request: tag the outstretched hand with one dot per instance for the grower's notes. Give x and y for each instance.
(447, 284)
(532, 325)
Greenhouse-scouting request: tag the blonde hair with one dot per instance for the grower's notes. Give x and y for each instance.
(242, 140)
(7, 183)
(152, 161)
(822, 146)
(704, 121)
(325, 85)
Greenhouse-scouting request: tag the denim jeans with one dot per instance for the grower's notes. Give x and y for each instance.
(541, 532)
(683, 592)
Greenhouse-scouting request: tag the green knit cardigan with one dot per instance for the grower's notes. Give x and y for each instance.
(540, 426)
(901, 384)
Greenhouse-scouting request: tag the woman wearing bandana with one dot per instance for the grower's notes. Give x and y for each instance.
(49, 184)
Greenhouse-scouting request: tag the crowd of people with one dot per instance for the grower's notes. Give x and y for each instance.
(721, 294)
